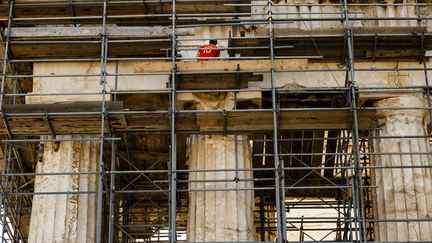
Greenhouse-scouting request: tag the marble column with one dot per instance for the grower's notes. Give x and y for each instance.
(65, 217)
(222, 213)
(402, 193)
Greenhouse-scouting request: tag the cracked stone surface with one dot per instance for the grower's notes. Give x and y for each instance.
(220, 215)
(66, 218)
(402, 194)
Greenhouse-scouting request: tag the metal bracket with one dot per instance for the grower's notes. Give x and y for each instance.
(72, 10)
(375, 47)
(230, 51)
(238, 76)
(422, 47)
(110, 128)
(224, 122)
(48, 122)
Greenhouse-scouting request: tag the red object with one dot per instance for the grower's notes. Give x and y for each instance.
(208, 51)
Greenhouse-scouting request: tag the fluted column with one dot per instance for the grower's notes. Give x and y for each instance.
(225, 214)
(65, 217)
(217, 210)
(403, 195)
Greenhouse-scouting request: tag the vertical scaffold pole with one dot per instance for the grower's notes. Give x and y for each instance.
(428, 89)
(6, 54)
(279, 181)
(357, 185)
(112, 193)
(101, 174)
(4, 180)
(173, 149)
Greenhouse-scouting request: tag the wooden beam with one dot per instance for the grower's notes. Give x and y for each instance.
(94, 32)
(381, 30)
(216, 81)
(148, 155)
(245, 121)
(87, 106)
(253, 121)
(249, 121)
(220, 65)
(30, 119)
(39, 8)
(91, 50)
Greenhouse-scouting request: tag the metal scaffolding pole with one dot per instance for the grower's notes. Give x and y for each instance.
(173, 135)
(112, 201)
(357, 192)
(6, 150)
(279, 180)
(101, 167)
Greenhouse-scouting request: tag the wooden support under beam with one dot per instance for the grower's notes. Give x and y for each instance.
(246, 121)
(64, 118)
(83, 106)
(220, 65)
(94, 32)
(45, 8)
(149, 155)
(381, 30)
(288, 120)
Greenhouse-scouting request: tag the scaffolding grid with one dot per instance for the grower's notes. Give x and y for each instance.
(311, 182)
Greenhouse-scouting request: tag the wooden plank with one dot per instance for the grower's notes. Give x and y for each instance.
(90, 50)
(332, 46)
(216, 81)
(248, 121)
(252, 121)
(149, 155)
(30, 119)
(91, 106)
(381, 30)
(61, 125)
(94, 32)
(146, 102)
(220, 65)
(62, 8)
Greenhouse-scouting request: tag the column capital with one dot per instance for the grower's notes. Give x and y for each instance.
(210, 101)
(402, 108)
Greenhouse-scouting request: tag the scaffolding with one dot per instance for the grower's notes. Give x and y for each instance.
(312, 170)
